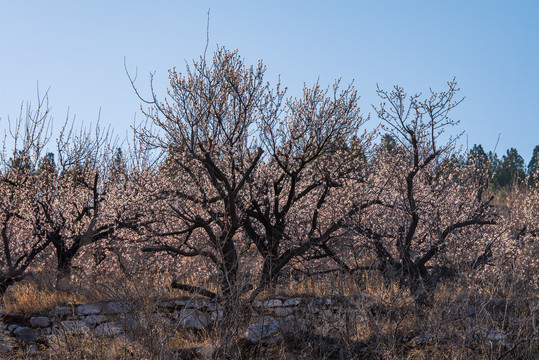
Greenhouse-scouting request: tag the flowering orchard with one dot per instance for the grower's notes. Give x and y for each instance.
(237, 183)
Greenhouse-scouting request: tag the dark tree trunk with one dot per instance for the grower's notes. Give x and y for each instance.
(230, 267)
(8, 279)
(63, 276)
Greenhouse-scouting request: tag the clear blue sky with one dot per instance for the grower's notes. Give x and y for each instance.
(78, 48)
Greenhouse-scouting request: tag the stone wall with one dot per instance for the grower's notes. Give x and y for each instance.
(267, 321)
(270, 319)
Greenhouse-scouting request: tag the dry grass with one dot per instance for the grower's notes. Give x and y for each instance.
(391, 327)
(29, 297)
(83, 348)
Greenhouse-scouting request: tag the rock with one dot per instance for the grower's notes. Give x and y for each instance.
(2, 314)
(75, 327)
(192, 304)
(173, 304)
(283, 311)
(93, 320)
(108, 329)
(26, 334)
(263, 330)
(271, 303)
(328, 301)
(11, 328)
(115, 307)
(292, 302)
(488, 334)
(192, 319)
(40, 321)
(289, 324)
(32, 349)
(62, 312)
(89, 309)
(216, 315)
(212, 306)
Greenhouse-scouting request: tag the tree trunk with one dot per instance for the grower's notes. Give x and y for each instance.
(63, 276)
(230, 267)
(10, 278)
(266, 277)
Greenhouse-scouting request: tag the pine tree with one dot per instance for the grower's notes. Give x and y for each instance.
(512, 168)
(533, 166)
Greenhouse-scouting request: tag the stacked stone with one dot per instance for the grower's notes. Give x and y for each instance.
(271, 317)
(100, 319)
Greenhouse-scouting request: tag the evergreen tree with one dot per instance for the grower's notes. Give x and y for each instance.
(512, 168)
(478, 160)
(533, 166)
(47, 164)
(119, 162)
(495, 166)
(388, 143)
(478, 157)
(21, 162)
